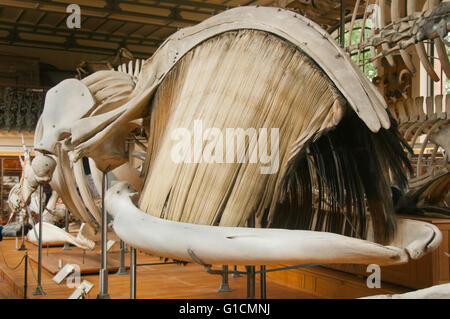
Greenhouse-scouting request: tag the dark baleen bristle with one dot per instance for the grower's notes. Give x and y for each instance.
(348, 167)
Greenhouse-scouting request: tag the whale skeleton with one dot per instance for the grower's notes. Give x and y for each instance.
(259, 246)
(85, 131)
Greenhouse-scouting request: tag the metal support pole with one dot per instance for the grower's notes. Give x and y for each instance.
(66, 227)
(25, 277)
(22, 245)
(103, 291)
(250, 282)
(132, 273)
(263, 282)
(251, 269)
(235, 274)
(39, 290)
(224, 287)
(342, 26)
(122, 269)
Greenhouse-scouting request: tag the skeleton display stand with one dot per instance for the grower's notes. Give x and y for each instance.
(122, 269)
(263, 282)
(39, 291)
(133, 267)
(22, 245)
(235, 273)
(132, 273)
(103, 292)
(251, 269)
(224, 287)
(66, 244)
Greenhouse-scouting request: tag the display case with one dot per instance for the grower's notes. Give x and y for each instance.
(10, 170)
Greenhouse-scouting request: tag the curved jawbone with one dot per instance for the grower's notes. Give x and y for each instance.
(52, 234)
(239, 245)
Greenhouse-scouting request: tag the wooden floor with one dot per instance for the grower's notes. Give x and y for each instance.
(169, 281)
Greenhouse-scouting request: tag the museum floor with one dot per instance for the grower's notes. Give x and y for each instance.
(170, 281)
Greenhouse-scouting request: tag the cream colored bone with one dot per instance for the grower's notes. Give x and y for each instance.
(64, 103)
(63, 181)
(55, 235)
(239, 245)
(90, 132)
(395, 15)
(433, 292)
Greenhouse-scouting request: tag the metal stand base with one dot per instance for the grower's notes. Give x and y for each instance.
(66, 247)
(38, 291)
(103, 293)
(224, 287)
(122, 269)
(22, 247)
(235, 274)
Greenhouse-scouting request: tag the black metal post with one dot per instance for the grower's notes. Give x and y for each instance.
(235, 274)
(251, 269)
(224, 287)
(66, 227)
(22, 245)
(122, 269)
(263, 282)
(250, 282)
(39, 290)
(103, 291)
(25, 277)
(132, 273)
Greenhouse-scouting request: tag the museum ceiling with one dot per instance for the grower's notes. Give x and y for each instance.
(139, 25)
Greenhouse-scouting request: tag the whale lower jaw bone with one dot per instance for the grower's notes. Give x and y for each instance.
(239, 245)
(52, 234)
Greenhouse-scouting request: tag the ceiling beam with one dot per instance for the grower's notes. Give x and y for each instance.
(77, 48)
(119, 15)
(198, 4)
(165, 5)
(67, 32)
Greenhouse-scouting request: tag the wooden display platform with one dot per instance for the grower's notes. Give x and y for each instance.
(90, 263)
(165, 281)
